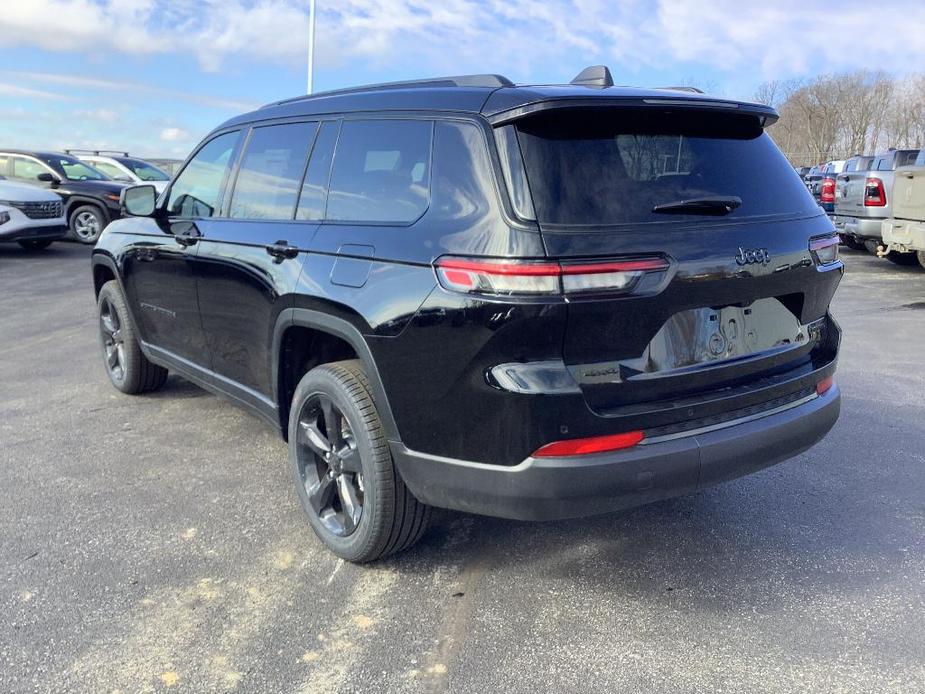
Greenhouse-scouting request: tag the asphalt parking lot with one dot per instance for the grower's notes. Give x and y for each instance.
(155, 543)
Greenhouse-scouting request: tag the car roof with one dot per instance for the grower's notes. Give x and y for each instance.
(492, 96)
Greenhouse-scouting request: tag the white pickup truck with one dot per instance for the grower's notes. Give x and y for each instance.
(904, 231)
(29, 215)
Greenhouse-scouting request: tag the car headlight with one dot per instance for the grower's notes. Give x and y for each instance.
(4, 217)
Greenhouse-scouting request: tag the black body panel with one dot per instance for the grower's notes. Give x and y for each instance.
(221, 300)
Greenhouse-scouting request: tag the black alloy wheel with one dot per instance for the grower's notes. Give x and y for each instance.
(352, 493)
(113, 342)
(127, 367)
(329, 465)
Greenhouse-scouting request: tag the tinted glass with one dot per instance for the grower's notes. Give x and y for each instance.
(196, 191)
(906, 158)
(144, 170)
(613, 166)
(381, 171)
(76, 170)
(27, 168)
(314, 189)
(111, 170)
(271, 171)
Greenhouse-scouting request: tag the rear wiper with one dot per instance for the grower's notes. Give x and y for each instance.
(717, 205)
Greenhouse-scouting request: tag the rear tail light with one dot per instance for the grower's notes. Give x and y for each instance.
(824, 385)
(825, 249)
(515, 277)
(828, 190)
(874, 194)
(596, 444)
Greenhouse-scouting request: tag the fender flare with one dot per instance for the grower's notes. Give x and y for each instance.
(324, 322)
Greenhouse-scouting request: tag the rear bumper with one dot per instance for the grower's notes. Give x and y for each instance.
(903, 235)
(553, 488)
(863, 228)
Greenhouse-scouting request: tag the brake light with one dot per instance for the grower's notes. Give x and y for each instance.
(825, 249)
(828, 190)
(596, 444)
(824, 385)
(874, 194)
(518, 277)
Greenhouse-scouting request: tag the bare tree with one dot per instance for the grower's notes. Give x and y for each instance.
(836, 116)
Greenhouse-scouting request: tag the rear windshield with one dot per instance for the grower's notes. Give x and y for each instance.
(606, 167)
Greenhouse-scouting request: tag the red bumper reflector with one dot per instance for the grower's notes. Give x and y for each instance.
(824, 385)
(596, 444)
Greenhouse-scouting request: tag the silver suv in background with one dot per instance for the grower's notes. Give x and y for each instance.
(122, 167)
(904, 232)
(862, 200)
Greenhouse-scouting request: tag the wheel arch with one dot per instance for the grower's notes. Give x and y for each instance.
(341, 330)
(104, 270)
(75, 201)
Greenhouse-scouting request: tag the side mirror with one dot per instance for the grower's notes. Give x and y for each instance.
(138, 201)
(46, 177)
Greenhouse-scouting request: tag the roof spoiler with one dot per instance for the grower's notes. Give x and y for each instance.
(594, 76)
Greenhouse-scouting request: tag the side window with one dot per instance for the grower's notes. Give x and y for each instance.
(197, 189)
(268, 181)
(883, 164)
(314, 189)
(27, 168)
(381, 171)
(111, 170)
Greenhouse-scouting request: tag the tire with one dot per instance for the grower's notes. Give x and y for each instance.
(35, 245)
(902, 258)
(920, 256)
(127, 367)
(86, 223)
(871, 246)
(353, 469)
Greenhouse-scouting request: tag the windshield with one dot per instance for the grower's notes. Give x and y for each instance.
(75, 170)
(606, 167)
(144, 170)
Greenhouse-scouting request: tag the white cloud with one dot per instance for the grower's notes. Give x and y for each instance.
(28, 93)
(174, 134)
(95, 83)
(780, 39)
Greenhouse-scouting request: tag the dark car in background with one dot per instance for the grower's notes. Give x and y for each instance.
(533, 302)
(821, 184)
(91, 198)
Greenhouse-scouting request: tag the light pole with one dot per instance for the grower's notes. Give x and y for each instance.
(311, 43)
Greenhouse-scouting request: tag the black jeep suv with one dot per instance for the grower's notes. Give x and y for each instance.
(533, 302)
(91, 198)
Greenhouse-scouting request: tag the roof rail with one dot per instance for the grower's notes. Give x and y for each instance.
(693, 90)
(488, 80)
(97, 152)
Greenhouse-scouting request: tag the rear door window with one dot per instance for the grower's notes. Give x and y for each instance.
(267, 185)
(606, 167)
(314, 187)
(381, 172)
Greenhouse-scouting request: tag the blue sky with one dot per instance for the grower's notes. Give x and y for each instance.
(153, 76)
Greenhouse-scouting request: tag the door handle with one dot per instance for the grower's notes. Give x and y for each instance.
(281, 250)
(185, 233)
